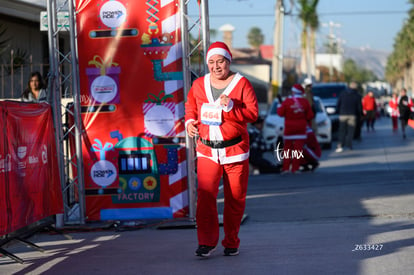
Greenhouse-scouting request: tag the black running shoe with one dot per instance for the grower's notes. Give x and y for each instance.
(231, 251)
(314, 166)
(305, 168)
(204, 250)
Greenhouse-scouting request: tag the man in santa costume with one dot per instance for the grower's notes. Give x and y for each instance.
(395, 113)
(297, 113)
(311, 151)
(219, 106)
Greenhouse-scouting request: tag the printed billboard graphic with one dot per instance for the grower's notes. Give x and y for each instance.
(132, 103)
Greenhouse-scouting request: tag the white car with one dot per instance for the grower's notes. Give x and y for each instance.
(274, 125)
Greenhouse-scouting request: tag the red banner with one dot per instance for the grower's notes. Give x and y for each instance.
(132, 103)
(30, 186)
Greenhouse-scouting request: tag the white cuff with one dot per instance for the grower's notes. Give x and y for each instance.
(228, 107)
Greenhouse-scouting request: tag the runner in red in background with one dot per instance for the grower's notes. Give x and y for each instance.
(297, 113)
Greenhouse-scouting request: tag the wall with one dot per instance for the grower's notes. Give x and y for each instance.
(21, 21)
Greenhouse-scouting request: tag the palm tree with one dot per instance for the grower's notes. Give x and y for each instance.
(3, 39)
(310, 24)
(18, 56)
(255, 37)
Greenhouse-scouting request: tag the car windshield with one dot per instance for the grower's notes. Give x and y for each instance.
(328, 91)
(318, 106)
(273, 110)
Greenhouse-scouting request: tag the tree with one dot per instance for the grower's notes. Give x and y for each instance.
(310, 24)
(18, 56)
(213, 33)
(400, 61)
(3, 40)
(352, 72)
(255, 37)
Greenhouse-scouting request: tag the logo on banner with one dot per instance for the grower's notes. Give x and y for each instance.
(104, 89)
(44, 154)
(103, 173)
(33, 160)
(5, 164)
(21, 152)
(21, 164)
(113, 14)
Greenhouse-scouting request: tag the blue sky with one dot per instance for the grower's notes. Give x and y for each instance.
(362, 23)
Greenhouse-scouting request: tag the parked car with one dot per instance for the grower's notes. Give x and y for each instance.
(329, 94)
(274, 125)
(387, 109)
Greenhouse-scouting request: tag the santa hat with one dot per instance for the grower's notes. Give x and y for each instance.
(297, 89)
(218, 48)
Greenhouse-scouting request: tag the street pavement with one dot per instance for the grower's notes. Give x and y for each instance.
(353, 215)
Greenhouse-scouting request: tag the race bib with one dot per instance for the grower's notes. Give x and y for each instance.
(211, 114)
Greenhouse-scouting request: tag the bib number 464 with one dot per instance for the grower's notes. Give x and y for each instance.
(210, 115)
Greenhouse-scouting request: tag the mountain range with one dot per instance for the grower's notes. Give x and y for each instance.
(371, 59)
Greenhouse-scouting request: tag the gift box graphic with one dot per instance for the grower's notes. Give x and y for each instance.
(104, 80)
(159, 115)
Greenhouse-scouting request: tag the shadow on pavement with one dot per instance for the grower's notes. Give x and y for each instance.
(354, 215)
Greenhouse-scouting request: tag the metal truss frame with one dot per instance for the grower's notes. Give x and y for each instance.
(64, 86)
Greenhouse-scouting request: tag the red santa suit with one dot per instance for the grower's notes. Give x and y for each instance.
(311, 150)
(297, 113)
(222, 151)
(395, 114)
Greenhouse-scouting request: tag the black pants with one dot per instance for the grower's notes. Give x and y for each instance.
(370, 118)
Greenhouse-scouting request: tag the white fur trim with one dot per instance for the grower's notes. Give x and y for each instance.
(295, 137)
(219, 51)
(228, 107)
(296, 91)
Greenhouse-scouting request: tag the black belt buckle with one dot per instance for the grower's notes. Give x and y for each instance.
(219, 144)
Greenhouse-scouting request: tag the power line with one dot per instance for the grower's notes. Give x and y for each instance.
(320, 14)
(362, 12)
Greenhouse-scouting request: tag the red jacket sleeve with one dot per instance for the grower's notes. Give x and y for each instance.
(245, 107)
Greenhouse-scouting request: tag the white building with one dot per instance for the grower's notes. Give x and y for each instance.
(334, 61)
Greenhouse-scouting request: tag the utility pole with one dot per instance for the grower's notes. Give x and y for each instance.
(332, 49)
(277, 58)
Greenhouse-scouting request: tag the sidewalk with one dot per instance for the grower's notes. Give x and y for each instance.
(354, 215)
